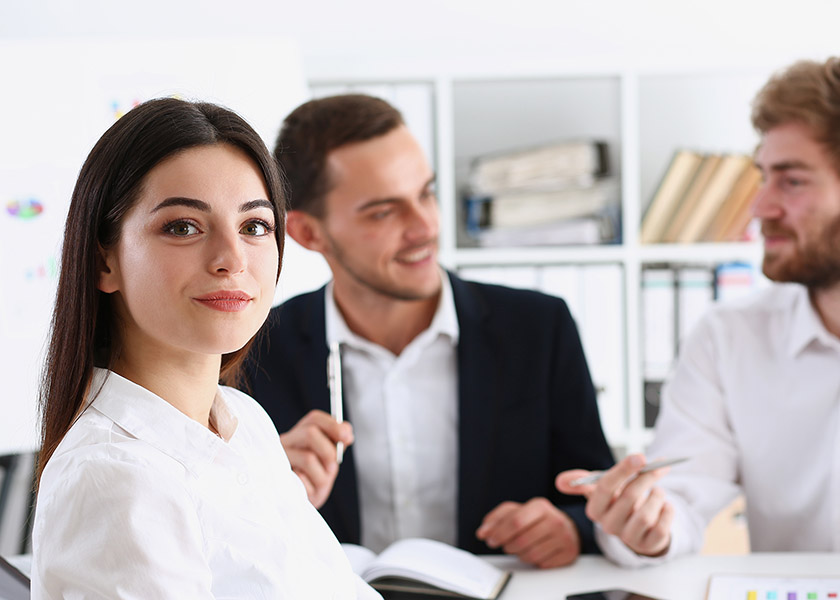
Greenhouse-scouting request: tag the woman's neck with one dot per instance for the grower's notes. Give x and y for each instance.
(188, 383)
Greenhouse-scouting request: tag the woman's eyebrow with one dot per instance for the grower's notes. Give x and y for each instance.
(205, 207)
(180, 201)
(252, 204)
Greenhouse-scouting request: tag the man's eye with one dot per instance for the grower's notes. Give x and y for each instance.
(380, 214)
(181, 228)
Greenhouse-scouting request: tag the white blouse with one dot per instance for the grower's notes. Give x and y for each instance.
(140, 501)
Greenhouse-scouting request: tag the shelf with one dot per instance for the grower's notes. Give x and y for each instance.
(701, 253)
(539, 255)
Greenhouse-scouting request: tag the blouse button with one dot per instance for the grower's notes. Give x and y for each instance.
(243, 478)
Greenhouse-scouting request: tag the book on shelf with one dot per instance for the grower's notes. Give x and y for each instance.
(601, 228)
(731, 223)
(566, 163)
(702, 198)
(557, 194)
(427, 568)
(534, 206)
(716, 191)
(671, 189)
(692, 195)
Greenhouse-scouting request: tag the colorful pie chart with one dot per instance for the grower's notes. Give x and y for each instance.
(24, 209)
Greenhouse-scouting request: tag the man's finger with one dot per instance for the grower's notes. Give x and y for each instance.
(309, 436)
(643, 519)
(332, 429)
(493, 518)
(611, 484)
(516, 521)
(564, 480)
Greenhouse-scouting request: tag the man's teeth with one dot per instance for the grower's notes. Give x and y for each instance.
(416, 256)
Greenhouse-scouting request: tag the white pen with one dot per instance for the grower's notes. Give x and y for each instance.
(336, 397)
(651, 466)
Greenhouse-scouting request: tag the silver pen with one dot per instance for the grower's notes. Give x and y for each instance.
(651, 466)
(336, 396)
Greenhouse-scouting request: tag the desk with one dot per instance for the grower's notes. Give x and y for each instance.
(681, 579)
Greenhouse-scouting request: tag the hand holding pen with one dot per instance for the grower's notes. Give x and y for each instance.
(315, 445)
(626, 502)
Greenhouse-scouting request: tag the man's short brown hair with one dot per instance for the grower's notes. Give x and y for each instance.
(316, 128)
(807, 92)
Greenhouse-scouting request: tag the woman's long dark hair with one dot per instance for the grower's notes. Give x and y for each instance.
(83, 327)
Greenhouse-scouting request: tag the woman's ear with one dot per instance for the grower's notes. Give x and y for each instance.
(305, 229)
(106, 266)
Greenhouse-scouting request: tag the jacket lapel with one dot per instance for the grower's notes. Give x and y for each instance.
(477, 406)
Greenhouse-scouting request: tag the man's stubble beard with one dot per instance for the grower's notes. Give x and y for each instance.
(382, 288)
(815, 262)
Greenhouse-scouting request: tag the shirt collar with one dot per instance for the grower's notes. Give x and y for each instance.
(153, 420)
(806, 325)
(444, 322)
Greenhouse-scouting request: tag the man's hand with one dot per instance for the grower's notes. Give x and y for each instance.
(310, 446)
(537, 532)
(627, 504)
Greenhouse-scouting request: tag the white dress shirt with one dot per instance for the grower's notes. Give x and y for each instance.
(140, 501)
(754, 402)
(404, 411)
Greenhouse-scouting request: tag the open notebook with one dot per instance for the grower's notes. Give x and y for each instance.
(429, 568)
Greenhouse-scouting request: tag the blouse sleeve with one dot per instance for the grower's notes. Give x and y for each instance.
(109, 528)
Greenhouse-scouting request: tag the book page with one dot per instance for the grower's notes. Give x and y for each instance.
(360, 558)
(759, 587)
(438, 564)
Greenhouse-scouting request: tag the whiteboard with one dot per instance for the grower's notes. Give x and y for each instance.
(58, 98)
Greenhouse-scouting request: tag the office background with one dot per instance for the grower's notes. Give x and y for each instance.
(648, 78)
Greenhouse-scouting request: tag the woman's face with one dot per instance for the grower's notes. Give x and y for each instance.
(195, 267)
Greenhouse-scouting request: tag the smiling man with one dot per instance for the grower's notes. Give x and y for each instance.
(754, 401)
(465, 399)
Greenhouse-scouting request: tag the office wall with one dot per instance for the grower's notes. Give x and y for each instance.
(334, 34)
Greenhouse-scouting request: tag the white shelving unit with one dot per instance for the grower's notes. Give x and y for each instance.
(644, 115)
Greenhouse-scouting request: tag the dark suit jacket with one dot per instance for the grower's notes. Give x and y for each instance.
(527, 405)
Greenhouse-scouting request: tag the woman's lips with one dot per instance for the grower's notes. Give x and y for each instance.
(225, 300)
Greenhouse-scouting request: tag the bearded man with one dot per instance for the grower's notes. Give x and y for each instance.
(754, 400)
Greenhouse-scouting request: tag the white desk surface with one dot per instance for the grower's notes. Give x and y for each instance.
(681, 579)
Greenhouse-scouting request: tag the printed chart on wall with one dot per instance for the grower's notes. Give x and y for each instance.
(744, 587)
(60, 97)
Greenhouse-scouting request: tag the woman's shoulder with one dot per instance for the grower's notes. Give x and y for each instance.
(96, 449)
(250, 413)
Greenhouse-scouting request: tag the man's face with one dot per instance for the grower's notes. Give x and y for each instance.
(799, 208)
(381, 218)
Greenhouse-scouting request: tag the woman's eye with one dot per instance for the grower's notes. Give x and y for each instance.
(181, 228)
(256, 228)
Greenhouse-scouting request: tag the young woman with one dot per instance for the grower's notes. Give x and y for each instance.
(154, 480)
